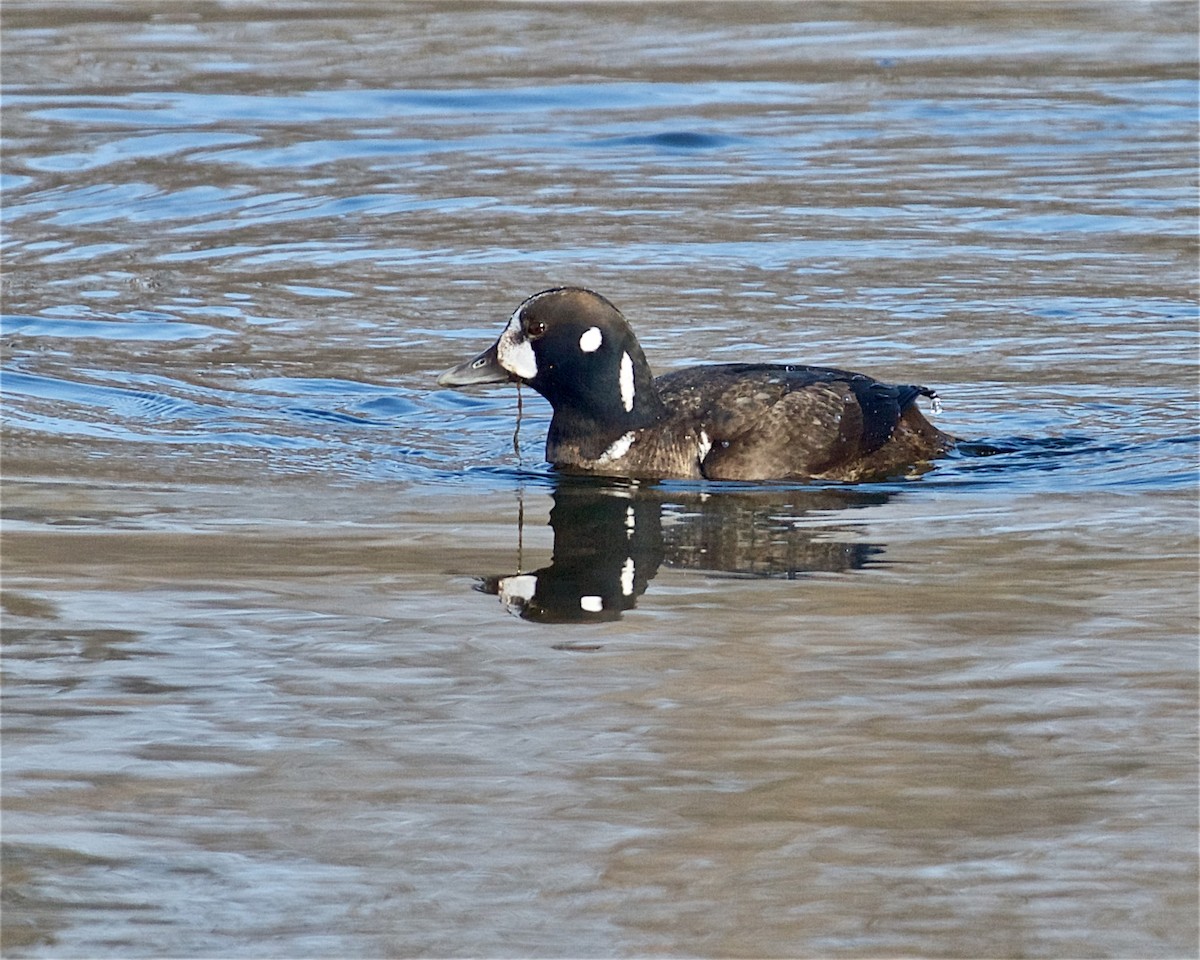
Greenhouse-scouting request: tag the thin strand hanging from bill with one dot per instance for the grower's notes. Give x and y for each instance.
(520, 486)
(517, 428)
(520, 528)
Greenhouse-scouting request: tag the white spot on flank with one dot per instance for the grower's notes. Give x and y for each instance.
(627, 574)
(703, 446)
(630, 522)
(590, 340)
(618, 449)
(626, 382)
(591, 604)
(514, 352)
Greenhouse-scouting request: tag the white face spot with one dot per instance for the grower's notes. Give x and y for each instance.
(591, 604)
(590, 340)
(627, 574)
(514, 352)
(516, 592)
(626, 382)
(619, 448)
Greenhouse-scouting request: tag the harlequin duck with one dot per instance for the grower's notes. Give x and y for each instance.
(729, 421)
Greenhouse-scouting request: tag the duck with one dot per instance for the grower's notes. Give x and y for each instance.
(726, 421)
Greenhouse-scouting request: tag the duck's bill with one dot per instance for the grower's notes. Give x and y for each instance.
(485, 368)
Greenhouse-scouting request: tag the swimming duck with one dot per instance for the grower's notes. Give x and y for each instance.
(728, 421)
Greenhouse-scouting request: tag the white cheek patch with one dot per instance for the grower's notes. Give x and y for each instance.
(626, 382)
(703, 446)
(516, 592)
(590, 340)
(514, 352)
(591, 604)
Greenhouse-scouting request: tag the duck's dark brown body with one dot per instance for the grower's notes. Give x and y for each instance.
(718, 422)
(768, 422)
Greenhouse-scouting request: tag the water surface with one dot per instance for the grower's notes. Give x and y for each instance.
(301, 659)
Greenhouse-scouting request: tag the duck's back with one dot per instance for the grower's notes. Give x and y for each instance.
(775, 421)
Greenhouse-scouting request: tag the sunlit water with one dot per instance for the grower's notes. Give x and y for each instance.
(302, 659)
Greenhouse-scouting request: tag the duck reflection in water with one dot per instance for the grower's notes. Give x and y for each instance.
(611, 538)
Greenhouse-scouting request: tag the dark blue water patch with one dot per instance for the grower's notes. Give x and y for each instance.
(677, 141)
(359, 403)
(385, 409)
(330, 416)
(379, 412)
(540, 149)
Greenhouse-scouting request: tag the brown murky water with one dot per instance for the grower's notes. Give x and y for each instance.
(263, 697)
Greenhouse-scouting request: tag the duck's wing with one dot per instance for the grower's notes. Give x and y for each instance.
(779, 421)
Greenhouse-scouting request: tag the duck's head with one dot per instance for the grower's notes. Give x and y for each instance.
(575, 349)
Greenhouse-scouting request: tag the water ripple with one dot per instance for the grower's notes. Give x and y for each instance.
(140, 329)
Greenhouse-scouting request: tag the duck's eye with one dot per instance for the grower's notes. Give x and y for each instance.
(535, 329)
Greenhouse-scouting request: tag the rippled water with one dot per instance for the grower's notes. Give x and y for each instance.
(302, 659)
